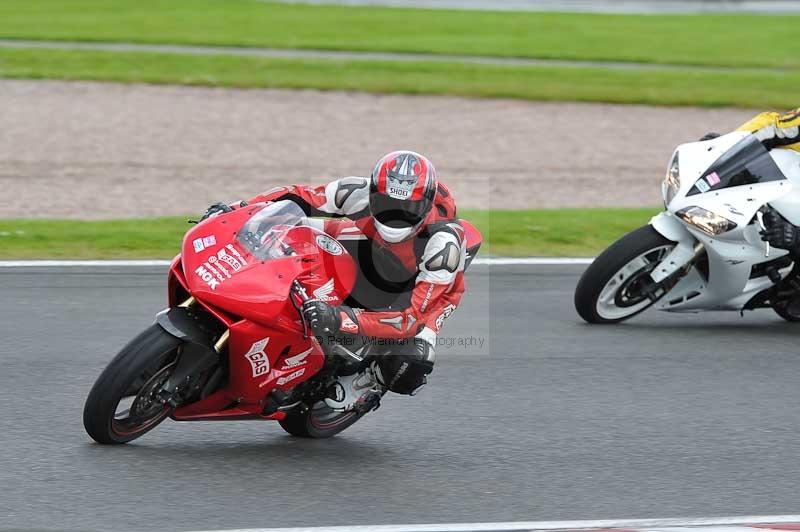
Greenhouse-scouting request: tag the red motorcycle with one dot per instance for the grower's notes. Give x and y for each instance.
(233, 343)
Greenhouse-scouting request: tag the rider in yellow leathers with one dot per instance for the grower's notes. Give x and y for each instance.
(776, 130)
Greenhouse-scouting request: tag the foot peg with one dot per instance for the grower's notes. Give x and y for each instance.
(369, 402)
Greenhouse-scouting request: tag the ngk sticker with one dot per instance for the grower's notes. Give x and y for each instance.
(257, 356)
(208, 277)
(212, 276)
(292, 376)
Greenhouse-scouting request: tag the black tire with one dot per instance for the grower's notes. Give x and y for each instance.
(146, 357)
(318, 422)
(609, 264)
(789, 311)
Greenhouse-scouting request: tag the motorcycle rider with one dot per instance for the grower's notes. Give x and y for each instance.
(409, 247)
(776, 130)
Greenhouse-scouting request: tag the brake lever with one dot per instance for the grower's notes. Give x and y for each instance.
(300, 290)
(760, 218)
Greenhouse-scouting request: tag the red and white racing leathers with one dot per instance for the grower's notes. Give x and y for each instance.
(436, 256)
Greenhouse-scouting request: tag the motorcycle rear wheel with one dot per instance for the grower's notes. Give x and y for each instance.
(611, 288)
(319, 421)
(122, 405)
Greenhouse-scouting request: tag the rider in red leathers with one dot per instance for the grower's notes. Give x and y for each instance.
(400, 225)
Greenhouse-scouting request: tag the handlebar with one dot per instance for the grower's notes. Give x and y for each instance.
(300, 290)
(335, 349)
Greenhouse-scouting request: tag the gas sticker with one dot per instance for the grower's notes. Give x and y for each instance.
(257, 356)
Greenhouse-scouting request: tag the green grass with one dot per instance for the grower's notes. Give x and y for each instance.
(561, 232)
(731, 40)
(535, 83)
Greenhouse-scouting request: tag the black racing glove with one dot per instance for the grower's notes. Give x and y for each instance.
(780, 233)
(321, 317)
(325, 319)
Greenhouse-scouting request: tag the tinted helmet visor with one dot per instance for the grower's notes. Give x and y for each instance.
(398, 213)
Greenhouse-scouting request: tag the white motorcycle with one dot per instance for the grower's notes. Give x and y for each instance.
(704, 252)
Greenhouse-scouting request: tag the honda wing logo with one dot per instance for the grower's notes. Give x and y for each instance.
(296, 360)
(323, 293)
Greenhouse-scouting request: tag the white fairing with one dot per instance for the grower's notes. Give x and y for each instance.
(731, 255)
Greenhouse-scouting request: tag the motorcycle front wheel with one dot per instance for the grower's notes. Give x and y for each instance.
(123, 403)
(789, 310)
(616, 286)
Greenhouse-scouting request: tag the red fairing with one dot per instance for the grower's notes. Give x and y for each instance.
(225, 275)
(266, 349)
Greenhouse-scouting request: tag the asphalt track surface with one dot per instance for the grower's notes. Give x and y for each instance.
(667, 416)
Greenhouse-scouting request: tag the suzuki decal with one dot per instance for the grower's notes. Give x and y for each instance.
(259, 362)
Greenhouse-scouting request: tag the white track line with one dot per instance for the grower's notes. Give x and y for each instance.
(499, 261)
(83, 263)
(662, 525)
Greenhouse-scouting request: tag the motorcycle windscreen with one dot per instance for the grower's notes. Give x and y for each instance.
(263, 235)
(748, 162)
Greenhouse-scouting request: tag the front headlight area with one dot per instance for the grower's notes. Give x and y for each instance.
(708, 222)
(672, 181)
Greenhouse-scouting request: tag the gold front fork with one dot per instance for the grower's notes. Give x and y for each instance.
(223, 340)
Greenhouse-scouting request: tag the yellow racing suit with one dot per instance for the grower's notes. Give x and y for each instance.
(776, 130)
